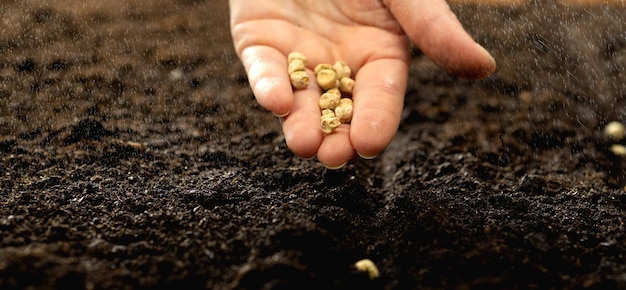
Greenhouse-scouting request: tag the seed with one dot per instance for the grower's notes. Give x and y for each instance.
(322, 66)
(328, 112)
(615, 130)
(334, 91)
(618, 149)
(329, 123)
(342, 69)
(329, 101)
(296, 65)
(299, 80)
(366, 265)
(346, 85)
(344, 110)
(296, 55)
(326, 79)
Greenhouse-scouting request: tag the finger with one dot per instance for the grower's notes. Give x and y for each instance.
(378, 99)
(267, 73)
(336, 149)
(441, 37)
(302, 128)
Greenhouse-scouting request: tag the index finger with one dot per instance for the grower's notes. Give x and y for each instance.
(266, 68)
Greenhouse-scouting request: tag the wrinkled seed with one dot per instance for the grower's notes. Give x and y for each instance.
(299, 80)
(297, 55)
(296, 65)
(329, 101)
(327, 79)
(329, 123)
(322, 66)
(344, 111)
(346, 85)
(342, 69)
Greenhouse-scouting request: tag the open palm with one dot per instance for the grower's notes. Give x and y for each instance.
(371, 37)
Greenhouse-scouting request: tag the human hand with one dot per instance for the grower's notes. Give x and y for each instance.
(371, 37)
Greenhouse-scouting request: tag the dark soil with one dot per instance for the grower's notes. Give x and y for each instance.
(134, 156)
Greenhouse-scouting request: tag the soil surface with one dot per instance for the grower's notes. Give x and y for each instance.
(135, 156)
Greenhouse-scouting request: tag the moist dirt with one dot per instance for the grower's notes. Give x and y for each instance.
(133, 155)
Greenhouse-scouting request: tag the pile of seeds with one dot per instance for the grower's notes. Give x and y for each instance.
(336, 83)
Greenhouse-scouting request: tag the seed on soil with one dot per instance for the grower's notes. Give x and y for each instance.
(299, 80)
(327, 79)
(366, 265)
(346, 85)
(342, 69)
(618, 150)
(296, 65)
(615, 130)
(296, 55)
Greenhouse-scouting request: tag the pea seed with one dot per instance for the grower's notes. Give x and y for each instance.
(346, 85)
(327, 79)
(618, 149)
(296, 55)
(329, 123)
(344, 110)
(615, 130)
(299, 80)
(366, 265)
(334, 91)
(328, 112)
(322, 66)
(342, 69)
(329, 101)
(296, 65)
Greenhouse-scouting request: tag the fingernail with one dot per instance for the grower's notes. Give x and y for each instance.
(280, 116)
(309, 158)
(491, 59)
(336, 167)
(367, 157)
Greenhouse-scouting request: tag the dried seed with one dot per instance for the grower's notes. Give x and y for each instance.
(296, 55)
(322, 66)
(344, 110)
(342, 69)
(366, 265)
(329, 101)
(328, 112)
(334, 91)
(615, 130)
(618, 149)
(299, 80)
(346, 85)
(296, 65)
(326, 79)
(329, 123)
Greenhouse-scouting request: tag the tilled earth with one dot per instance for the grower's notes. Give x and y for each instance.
(134, 156)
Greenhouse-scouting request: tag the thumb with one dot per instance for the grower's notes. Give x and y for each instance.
(437, 32)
